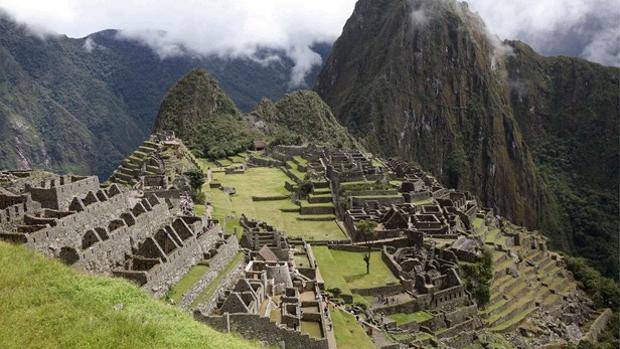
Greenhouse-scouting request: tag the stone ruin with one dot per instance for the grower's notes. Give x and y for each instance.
(156, 164)
(140, 226)
(109, 229)
(273, 300)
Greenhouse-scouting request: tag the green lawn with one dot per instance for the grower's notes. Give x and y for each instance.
(48, 305)
(208, 291)
(349, 334)
(199, 210)
(264, 181)
(493, 235)
(347, 270)
(224, 162)
(402, 318)
(293, 168)
(477, 223)
(177, 292)
(426, 201)
(206, 164)
(300, 160)
(237, 159)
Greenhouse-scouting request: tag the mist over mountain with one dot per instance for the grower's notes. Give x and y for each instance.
(82, 105)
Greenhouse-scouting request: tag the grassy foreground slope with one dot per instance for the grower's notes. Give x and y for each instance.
(45, 304)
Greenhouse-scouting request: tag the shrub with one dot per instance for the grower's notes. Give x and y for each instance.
(478, 277)
(366, 229)
(196, 179)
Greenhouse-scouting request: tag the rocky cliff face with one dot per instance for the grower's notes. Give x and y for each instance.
(422, 80)
(425, 81)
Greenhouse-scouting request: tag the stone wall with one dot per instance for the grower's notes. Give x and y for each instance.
(388, 290)
(316, 210)
(262, 162)
(57, 193)
(252, 326)
(163, 276)
(13, 208)
(598, 326)
(226, 284)
(225, 254)
(357, 201)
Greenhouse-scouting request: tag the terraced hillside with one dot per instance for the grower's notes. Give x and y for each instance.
(525, 279)
(158, 155)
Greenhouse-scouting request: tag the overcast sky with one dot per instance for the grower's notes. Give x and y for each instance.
(586, 28)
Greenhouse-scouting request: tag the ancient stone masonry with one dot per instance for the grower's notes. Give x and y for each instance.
(140, 225)
(156, 163)
(57, 193)
(273, 300)
(147, 235)
(426, 232)
(13, 207)
(217, 258)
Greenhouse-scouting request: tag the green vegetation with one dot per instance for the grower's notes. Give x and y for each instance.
(345, 270)
(557, 146)
(196, 181)
(48, 305)
(271, 184)
(349, 334)
(201, 114)
(100, 105)
(300, 160)
(478, 277)
(366, 229)
(199, 210)
(405, 318)
(604, 292)
(302, 116)
(208, 291)
(492, 341)
(206, 164)
(293, 168)
(179, 290)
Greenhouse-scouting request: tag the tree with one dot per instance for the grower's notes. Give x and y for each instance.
(366, 229)
(196, 179)
(367, 261)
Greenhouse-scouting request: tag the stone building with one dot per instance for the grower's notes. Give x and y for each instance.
(273, 300)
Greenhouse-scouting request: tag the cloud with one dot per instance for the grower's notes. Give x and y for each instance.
(89, 45)
(586, 28)
(233, 28)
(228, 28)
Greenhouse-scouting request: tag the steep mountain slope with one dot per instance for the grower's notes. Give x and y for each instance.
(55, 113)
(301, 116)
(200, 113)
(569, 110)
(423, 80)
(81, 105)
(419, 79)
